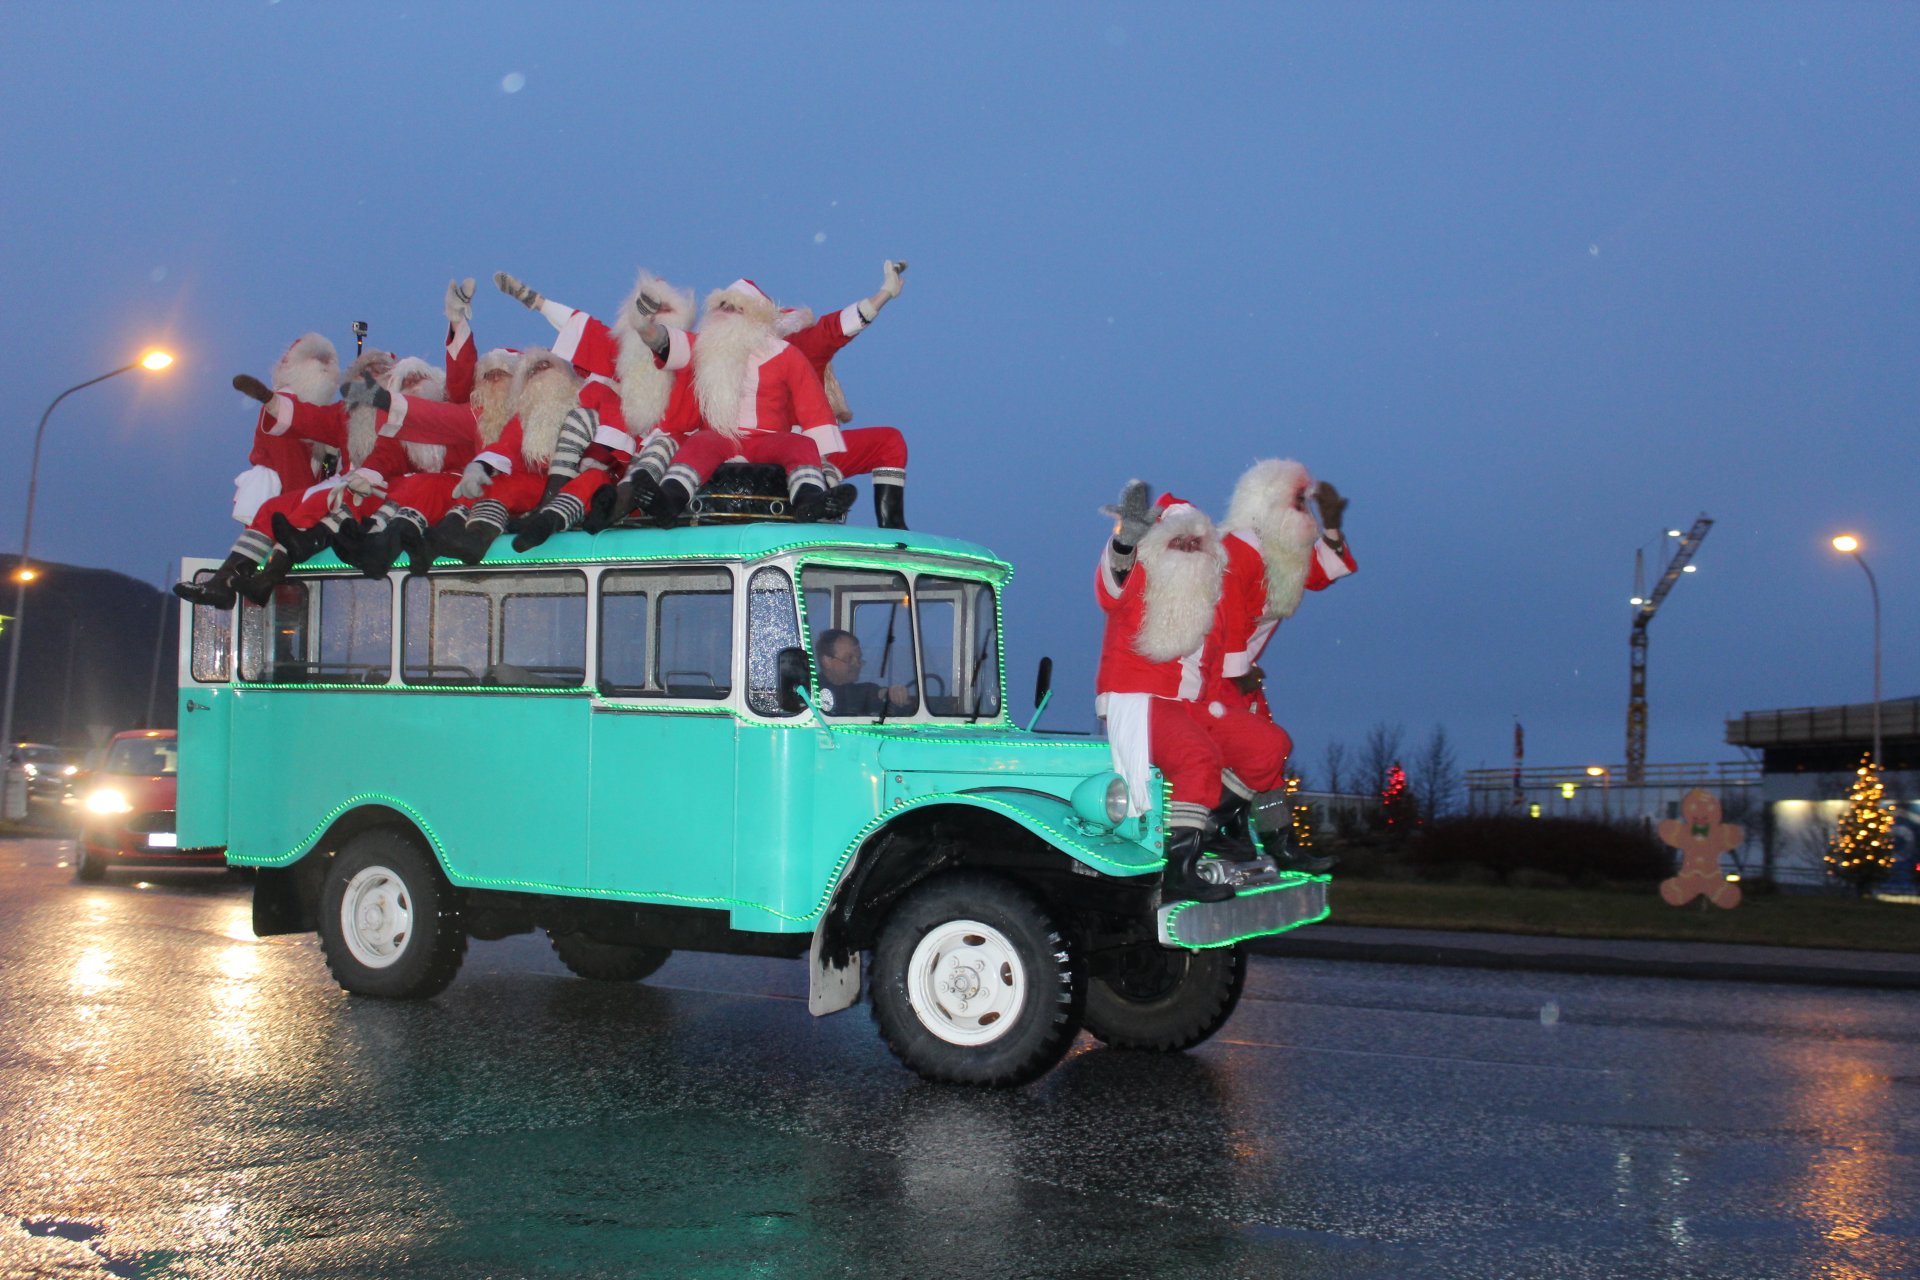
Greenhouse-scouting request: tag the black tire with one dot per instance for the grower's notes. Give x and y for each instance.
(86, 868)
(606, 961)
(1028, 1008)
(1164, 998)
(406, 938)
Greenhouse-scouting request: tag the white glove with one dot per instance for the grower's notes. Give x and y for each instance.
(473, 481)
(459, 305)
(525, 295)
(890, 280)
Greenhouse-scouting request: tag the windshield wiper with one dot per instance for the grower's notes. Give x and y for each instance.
(980, 690)
(886, 661)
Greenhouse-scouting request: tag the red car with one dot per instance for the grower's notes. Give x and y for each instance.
(126, 812)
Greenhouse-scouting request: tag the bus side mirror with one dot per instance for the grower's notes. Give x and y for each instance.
(791, 674)
(1043, 681)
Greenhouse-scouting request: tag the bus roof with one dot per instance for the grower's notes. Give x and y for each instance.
(745, 541)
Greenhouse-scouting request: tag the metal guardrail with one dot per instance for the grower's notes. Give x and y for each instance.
(1806, 725)
(1724, 773)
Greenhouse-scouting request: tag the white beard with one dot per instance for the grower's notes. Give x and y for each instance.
(1183, 590)
(312, 381)
(496, 408)
(363, 433)
(729, 346)
(1286, 544)
(644, 385)
(426, 457)
(545, 402)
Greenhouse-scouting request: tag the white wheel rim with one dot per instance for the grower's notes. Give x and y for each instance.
(966, 983)
(376, 917)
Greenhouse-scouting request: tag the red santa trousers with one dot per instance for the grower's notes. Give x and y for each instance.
(702, 451)
(428, 492)
(869, 449)
(522, 491)
(1180, 745)
(1253, 746)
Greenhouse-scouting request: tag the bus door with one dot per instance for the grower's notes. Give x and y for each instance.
(664, 736)
(205, 720)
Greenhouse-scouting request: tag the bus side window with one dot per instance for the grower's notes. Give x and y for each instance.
(543, 630)
(212, 645)
(772, 625)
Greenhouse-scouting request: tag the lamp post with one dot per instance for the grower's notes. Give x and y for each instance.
(153, 361)
(1605, 775)
(1847, 544)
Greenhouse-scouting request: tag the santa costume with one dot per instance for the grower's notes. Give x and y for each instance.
(877, 451)
(1160, 598)
(759, 401)
(1276, 553)
(308, 371)
(416, 502)
(538, 458)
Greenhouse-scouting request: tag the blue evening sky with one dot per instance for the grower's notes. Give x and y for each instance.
(1530, 282)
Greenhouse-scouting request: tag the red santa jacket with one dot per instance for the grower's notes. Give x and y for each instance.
(594, 350)
(289, 456)
(1241, 630)
(462, 361)
(400, 425)
(1122, 668)
(435, 422)
(782, 392)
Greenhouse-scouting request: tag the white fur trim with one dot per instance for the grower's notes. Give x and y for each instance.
(851, 321)
(1331, 562)
(459, 338)
(613, 438)
(679, 349)
(1129, 724)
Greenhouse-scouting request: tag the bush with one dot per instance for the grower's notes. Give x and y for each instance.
(1530, 850)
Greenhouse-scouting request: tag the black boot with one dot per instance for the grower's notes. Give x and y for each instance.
(537, 528)
(1181, 882)
(378, 552)
(413, 540)
(221, 588)
(669, 504)
(350, 540)
(638, 492)
(258, 586)
(600, 510)
(465, 540)
(890, 506)
(301, 545)
(1230, 837)
(813, 503)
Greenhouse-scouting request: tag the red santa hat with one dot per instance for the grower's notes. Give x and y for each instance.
(677, 304)
(498, 358)
(433, 388)
(1170, 505)
(748, 298)
(793, 319)
(309, 368)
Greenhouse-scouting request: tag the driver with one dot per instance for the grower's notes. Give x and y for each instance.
(839, 656)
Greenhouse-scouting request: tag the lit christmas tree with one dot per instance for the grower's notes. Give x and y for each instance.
(1397, 802)
(1302, 837)
(1862, 849)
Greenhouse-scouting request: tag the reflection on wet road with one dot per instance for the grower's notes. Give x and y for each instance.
(183, 1099)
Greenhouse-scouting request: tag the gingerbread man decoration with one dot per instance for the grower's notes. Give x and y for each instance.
(1701, 838)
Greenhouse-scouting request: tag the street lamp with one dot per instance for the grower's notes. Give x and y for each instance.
(152, 361)
(1605, 775)
(1847, 544)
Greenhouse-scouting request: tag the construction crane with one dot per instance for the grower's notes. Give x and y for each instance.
(1637, 692)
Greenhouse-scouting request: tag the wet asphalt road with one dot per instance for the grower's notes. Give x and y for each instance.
(179, 1098)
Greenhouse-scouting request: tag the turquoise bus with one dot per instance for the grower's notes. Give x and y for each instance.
(631, 742)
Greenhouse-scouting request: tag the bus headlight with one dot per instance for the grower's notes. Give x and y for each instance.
(1102, 799)
(108, 800)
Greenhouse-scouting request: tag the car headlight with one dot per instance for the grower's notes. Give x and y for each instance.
(70, 770)
(31, 770)
(1102, 799)
(108, 800)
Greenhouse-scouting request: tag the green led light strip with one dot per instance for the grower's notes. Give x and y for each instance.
(313, 568)
(833, 876)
